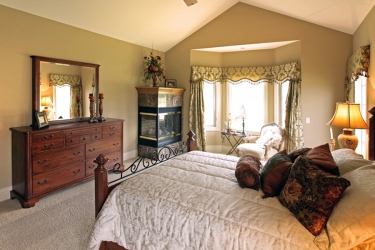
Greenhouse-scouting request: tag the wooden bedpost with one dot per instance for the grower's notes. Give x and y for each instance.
(190, 141)
(101, 182)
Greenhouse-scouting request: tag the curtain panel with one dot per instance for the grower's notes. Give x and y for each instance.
(357, 65)
(255, 75)
(75, 89)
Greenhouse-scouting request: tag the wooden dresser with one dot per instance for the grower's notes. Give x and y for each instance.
(59, 156)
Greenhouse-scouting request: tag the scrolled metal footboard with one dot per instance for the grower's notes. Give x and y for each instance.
(149, 159)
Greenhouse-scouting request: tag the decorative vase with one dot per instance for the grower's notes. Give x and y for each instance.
(155, 81)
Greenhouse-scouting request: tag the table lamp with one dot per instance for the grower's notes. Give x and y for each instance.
(242, 115)
(46, 102)
(348, 115)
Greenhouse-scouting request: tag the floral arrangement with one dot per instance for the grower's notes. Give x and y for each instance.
(228, 121)
(154, 69)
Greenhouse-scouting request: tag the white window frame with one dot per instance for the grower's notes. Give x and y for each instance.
(360, 96)
(280, 102)
(217, 108)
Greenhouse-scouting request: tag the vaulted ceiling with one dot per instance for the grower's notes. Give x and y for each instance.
(161, 24)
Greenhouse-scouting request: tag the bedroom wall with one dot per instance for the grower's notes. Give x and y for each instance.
(23, 35)
(365, 35)
(323, 54)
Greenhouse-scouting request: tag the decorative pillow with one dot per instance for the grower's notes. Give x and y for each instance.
(294, 154)
(322, 156)
(274, 174)
(348, 160)
(247, 172)
(311, 193)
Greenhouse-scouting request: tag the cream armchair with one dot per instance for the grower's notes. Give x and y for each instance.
(269, 142)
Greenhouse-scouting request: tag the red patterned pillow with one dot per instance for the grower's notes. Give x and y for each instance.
(322, 156)
(310, 193)
(295, 153)
(247, 172)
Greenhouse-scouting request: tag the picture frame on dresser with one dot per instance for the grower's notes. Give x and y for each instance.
(41, 119)
(171, 83)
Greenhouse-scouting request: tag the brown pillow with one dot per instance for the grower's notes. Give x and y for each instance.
(322, 156)
(274, 174)
(310, 193)
(247, 172)
(295, 153)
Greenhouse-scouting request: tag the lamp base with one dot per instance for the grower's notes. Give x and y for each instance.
(347, 139)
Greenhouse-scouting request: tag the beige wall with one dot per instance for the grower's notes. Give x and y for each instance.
(23, 35)
(365, 35)
(323, 53)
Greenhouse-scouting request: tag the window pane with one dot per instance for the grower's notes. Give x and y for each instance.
(360, 97)
(209, 104)
(252, 97)
(283, 93)
(62, 105)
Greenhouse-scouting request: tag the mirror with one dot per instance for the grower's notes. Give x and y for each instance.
(61, 88)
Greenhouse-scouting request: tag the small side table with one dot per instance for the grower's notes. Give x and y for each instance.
(233, 139)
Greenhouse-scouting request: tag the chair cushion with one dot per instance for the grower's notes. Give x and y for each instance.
(254, 149)
(247, 172)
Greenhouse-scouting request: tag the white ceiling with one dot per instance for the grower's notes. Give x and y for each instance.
(161, 24)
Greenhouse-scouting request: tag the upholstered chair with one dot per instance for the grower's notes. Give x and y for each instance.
(269, 142)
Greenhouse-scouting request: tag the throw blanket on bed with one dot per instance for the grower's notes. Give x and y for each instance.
(194, 202)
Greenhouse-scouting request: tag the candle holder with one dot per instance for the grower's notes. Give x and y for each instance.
(101, 118)
(92, 110)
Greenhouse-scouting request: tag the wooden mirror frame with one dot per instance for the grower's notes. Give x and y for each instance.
(36, 60)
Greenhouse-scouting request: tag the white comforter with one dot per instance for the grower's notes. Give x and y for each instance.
(194, 202)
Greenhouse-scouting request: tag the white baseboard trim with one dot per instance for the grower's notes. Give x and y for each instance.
(130, 154)
(4, 193)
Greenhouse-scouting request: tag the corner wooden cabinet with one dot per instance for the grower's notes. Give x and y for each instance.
(59, 156)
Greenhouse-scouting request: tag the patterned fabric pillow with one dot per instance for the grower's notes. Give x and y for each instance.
(322, 156)
(294, 154)
(274, 174)
(311, 193)
(247, 172)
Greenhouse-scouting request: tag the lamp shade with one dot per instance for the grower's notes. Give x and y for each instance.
(46, 101)
(242, 113)
(348, 115)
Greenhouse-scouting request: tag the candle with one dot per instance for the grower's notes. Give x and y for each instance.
(101, 96)
(91, 98)
(78, 98)
(330, 129)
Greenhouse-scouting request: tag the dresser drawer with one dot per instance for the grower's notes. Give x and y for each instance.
(49, 160)
(111, 134)
(47, 181)
(47, 136)
(96, 136)
(111, 127)
(84, 138)
(103, 147)
(47, 145)
(114, 157)
(78, 132)
(71, 140)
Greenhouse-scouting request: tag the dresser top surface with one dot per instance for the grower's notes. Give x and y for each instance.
(74, 125)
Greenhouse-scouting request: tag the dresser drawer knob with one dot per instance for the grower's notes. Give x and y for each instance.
(112, 127)
(84, 139)
(115, 144)
(71, 140)
(96, 137)
(92, 149)
(77, 153)
(112, 134)
(48, 146)
(48, 137)
(115, 159)
(42, 162)
(76, 172)
(92, 166)
(42, 183)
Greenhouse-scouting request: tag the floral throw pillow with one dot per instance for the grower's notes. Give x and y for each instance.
(310, 193)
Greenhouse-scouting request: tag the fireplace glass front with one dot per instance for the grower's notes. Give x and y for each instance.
(159, 126)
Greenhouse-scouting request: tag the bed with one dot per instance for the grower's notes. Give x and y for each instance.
(194, 201)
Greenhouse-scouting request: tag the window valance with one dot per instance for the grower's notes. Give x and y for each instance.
(270, 74)
(357, 65)
(59, 80)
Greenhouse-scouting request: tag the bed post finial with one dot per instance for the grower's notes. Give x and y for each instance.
(190, 141)
(101, 182)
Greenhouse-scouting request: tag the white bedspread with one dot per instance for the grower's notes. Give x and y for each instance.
(194, 202)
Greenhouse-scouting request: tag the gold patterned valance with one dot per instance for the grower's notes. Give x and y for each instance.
(357, 65)
(270, 74)
(59, 80)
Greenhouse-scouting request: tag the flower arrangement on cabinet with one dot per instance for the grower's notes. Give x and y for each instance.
(154, 69)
